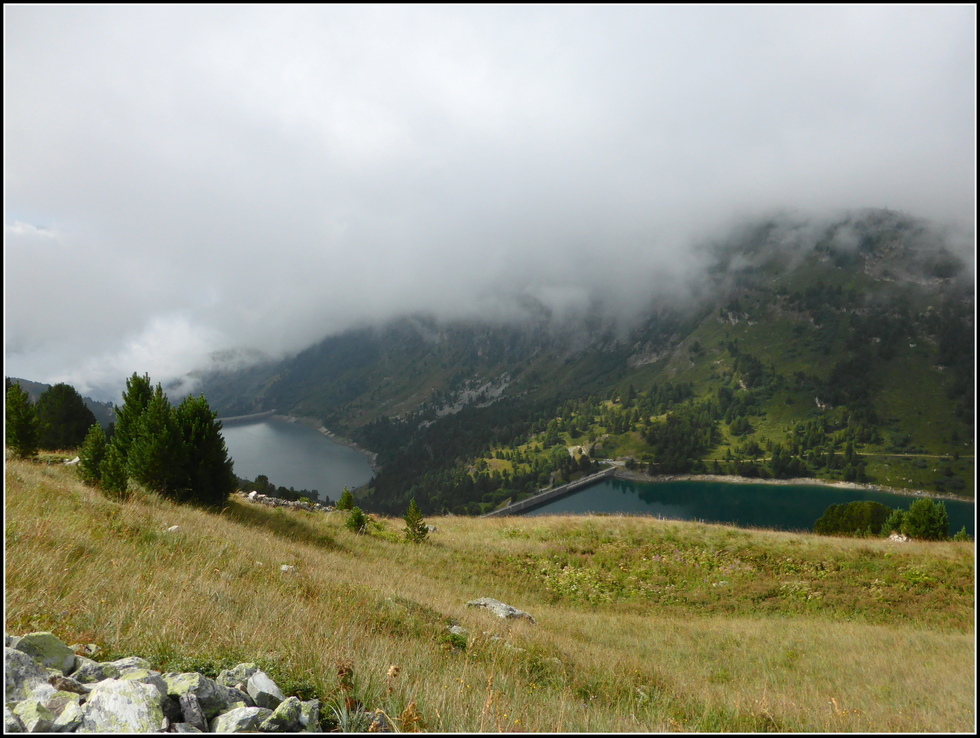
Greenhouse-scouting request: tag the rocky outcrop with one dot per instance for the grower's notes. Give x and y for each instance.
(499, 609)
(49, 688)
(254, 496)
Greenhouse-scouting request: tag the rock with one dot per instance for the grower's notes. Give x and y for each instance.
(70, 719)
(10, 641)
(34, 716)
(898, 538)
(117, 706)
(458, 630)
(11, 723)
(131, 663)
(88, 671)
(185, 728)
(430, 528)
(253, 494)
(21, 674)
(72, 462)
(85, 649)
(240, 720)
(309, 716)
(285, 718)
(287, 569)
(264, 691)
(192, 713)
(213, 698)
(236, 674)
(500, 609)
(173, 529)
(48, 650)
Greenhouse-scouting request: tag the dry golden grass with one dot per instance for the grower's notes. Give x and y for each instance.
(810, 633)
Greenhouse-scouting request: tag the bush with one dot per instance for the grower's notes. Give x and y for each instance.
(92, 454)
(356, 521)
(962, 535)
(927, 520)
(22, 427)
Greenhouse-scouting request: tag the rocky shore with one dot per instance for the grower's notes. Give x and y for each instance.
(636, 476)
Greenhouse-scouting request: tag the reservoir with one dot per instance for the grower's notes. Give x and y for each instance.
(784, 507)
(295, 455)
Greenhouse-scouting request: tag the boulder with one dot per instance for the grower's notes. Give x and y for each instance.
(191, 712)
(131, 663)
(11, 723)
(309, 716)
(48, 650)
(34, 716)
(285, 718)
(287, 569)
(264, 691)
(185, 728)
(213, 698)
(69, 719)
(69, 684)
(240, 720)
(117, 706)
(237, 674)
(21, 674)
(89, 671)
(499, 609)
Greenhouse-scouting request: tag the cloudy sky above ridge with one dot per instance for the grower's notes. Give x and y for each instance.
(180, 180)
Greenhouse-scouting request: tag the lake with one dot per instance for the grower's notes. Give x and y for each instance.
(785, 507)
(295, 455)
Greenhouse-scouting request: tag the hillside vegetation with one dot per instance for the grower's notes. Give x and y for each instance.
(642, 624)
(837, 351)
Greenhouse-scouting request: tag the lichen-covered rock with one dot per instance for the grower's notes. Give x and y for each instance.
(309, 716)
(185, 728)
(146, 676)
(48, 650)
(240, 720)
(264, 691)
(499, 609)
(212, 697)
(285, 718)
(117, 706)
(69, 719)
(236, 675)
(21, 674)
(191, 712)
(69, 684)
(11, 723)
(131, 663)
(34, 716)
(88, 671)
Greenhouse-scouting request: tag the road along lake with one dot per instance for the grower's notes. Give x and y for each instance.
(295, 455)
(780, 506)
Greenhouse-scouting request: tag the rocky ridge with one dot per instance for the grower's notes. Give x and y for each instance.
(49, 687)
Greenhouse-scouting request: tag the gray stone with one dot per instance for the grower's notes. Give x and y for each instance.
(240, 720)
(264, 691)
(458, 630)
(146, 676)
(11, 723)
(34, 716)
(499, 609)
(117, 706)
(191, 712)
(21, 674)
(132, 663)
(69, 719)
(89, 672)
(212, 697)
(185, 728)
(48, 650)
(309, 716)
(10, 641)
(85, 649)
(287, 569)
(236, 675)
(285, 718)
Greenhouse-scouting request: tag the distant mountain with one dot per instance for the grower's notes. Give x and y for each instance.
(838, 350)
(104, 412)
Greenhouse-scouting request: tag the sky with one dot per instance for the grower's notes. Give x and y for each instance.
(181, 181)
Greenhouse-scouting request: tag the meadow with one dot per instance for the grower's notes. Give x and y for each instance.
(642, 625)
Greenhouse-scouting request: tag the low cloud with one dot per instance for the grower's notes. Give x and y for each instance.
(185, 180)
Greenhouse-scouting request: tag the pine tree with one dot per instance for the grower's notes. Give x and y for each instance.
(136, 398)
(115, 481)
(22, 430)
(927, 520)
(157, 457)
(415, 528)
(346, 501)
(63, 417)
(208, 472)
(92, 454)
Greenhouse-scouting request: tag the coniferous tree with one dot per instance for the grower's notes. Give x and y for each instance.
(157, 457)
(92, 454)
(346, 501)
(208, 473)
(927, 520)
(115, 480)
(415, 528)
(21, 422)
(136, 398)
(63, 418)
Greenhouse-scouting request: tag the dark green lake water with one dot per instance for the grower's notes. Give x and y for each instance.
(785, 507)
(295, 455)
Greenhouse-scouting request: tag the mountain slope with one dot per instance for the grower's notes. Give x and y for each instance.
(840, 350)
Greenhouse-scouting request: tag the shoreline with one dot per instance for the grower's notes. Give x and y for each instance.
(634, 476)
(315, 424)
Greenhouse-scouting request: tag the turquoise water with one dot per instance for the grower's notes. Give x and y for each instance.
(295, 455)
(785, 507)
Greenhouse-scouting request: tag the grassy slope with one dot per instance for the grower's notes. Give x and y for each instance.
(642, 625)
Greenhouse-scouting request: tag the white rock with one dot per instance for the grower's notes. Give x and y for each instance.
(173, 529)
(499, 609)
(264, 691)
(117, 706)
(287, 569)
(240, 720)
(21, 674)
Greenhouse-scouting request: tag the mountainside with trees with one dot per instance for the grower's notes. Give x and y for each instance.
(841, 351)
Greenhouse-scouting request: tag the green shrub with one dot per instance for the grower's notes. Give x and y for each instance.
(92, 454)
(415, 528)
(356, 521)
(962, 535)
(927, 520)
(346, 501)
